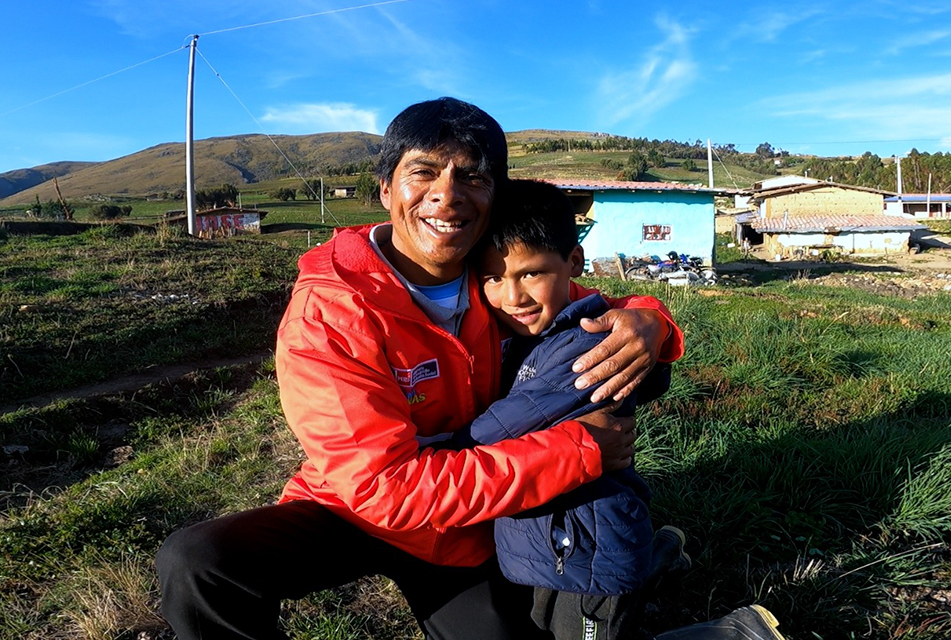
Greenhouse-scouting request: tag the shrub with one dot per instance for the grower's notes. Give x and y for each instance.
(110, 211)
(284, 194)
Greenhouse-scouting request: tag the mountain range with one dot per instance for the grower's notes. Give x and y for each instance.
(238, 160)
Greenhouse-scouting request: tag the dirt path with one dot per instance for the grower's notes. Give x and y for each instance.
(134, 381)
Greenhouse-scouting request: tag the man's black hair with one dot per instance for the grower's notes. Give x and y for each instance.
(431, 124)
(536, 214)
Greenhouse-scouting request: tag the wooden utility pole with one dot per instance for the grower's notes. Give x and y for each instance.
(62, 201)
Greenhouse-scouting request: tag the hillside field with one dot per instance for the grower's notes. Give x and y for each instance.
(804, 446)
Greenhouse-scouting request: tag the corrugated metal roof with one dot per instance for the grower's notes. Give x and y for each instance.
(833, 224)
(920, 198)
(626, 185)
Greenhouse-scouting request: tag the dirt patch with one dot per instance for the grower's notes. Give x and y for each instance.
(134, 381)
(903, 275)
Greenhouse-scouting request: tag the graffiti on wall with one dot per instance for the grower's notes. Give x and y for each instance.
(228, 224)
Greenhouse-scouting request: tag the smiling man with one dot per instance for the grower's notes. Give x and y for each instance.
(386, 344)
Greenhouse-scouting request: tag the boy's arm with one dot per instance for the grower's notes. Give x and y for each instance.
(548, 398)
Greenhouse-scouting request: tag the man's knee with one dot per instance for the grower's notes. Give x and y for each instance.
(190, 551)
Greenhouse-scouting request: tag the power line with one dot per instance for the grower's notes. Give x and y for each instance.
(79, 86)
(279, 150)
(753, 144)
(309, 15)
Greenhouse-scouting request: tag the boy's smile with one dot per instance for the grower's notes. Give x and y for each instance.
(526, 287)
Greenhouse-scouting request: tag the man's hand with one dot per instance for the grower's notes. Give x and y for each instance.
(614, 436)
(625, 356)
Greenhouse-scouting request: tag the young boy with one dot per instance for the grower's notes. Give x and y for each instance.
(588, 552)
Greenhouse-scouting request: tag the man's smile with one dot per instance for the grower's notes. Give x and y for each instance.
(445, 226)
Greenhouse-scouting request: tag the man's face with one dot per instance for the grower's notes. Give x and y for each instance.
(527, 288)
(439, 203)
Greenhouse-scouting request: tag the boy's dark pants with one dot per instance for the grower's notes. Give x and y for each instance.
(225, 578)
(584, 617)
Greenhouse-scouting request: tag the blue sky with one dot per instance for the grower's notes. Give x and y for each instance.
(805, 77)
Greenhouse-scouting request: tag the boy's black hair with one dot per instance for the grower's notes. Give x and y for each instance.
(431, 124)
(536, 214)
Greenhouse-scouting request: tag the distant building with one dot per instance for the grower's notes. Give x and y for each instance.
(220, 223)
(801, 236)
(920, 205)
(797, 220)
(636, 219)
(816, 197)
(347, 191)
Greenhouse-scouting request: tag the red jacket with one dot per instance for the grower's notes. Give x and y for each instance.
(363, 371)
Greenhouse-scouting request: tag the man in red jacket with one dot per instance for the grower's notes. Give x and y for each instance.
(387, 343)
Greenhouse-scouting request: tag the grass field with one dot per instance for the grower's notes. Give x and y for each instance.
(804, 447)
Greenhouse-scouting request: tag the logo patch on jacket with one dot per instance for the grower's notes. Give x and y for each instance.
(409, 378)
(525, 372)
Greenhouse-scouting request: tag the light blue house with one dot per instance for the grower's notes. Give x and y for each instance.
(635, 219)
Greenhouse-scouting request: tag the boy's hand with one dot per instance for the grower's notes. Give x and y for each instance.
(625, 356)
(614, 436)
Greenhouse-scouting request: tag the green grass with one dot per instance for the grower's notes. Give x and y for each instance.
(82, 308)
(804, 447)
(587, 165)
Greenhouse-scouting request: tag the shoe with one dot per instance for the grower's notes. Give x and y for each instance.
(668, 551)
(747, 623)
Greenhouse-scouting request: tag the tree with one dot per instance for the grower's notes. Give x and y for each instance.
(637, 166)
(311, 191)
(225, 195)
(284, 194)
(655, 158)
(765, 150)
(689, 165)
(368, 188)
(110, 211)
(50, 209)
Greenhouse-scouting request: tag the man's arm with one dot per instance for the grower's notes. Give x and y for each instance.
(550, 397)
(346, 408)
(642, 333)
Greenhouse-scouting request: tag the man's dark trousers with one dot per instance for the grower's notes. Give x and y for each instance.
(225, 578)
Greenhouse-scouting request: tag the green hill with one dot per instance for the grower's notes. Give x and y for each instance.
(237, 160)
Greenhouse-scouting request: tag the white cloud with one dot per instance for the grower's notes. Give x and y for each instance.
(769, 24)
(911, 41)
(664, 75)
(310, 118)
(902, 108)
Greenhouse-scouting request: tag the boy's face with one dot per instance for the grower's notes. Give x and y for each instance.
(527, 288)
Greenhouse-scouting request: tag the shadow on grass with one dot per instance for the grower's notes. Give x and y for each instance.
(282, 227)
(831, 529)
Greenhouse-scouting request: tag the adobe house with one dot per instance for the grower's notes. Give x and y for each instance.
(818, 198)
(804, 236)
(798, 220)
(635, 219)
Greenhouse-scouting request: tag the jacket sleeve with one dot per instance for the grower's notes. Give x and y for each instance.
(342, 402)
(673, 347)
(547, 398)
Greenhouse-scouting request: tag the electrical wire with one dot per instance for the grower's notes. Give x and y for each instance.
(84, 84)
(276, 146)
(722, 164)
(309, 15)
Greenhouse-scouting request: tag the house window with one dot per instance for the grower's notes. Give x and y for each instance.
(659, 232)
